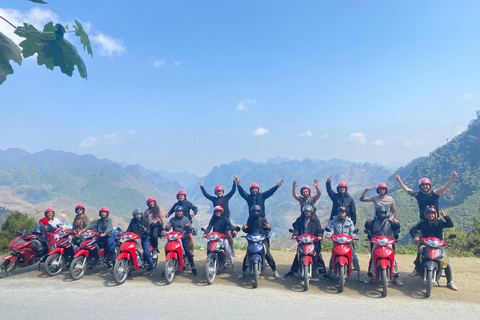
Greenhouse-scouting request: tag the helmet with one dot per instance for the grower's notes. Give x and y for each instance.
(36, 231)
(151, 199)
(341, 208)
(306, 187)
(218, 188)
(342, 184)
(382, 185)
(254, 185)
(424, 181)
(178, 208)
(218, 208)
(378, 210)
(430, 209)
(137, 211)
(307, 208)
(47, 211)
(104, 209)
(182, 192)
(255, 207)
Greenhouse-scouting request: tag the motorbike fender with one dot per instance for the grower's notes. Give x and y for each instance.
(256, 258)
(11, 257)
(384, 263)
(59, 250)
(306, 260)
(124, 255)
(431, 265)
(212, 255)
(171, 255)
(342, 260)
(82, 252)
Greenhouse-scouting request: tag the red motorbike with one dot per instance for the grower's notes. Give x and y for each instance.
(26, 250)
(342, 257)
(383, 259)
(174, 256)
(131, 257)
(216, 257)
(62, 254)
(305, 253)
(89, 255)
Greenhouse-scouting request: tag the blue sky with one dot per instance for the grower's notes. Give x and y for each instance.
(187, 85)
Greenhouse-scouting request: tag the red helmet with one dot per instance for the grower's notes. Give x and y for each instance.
(424, 181)
(430, 209)
(218, 188)
(151, 199)
(47, 211)
(306, 187)
(80, 206)
(342, 184)
(104, 209)
(218, 208)
(382, 185)
(254, 185)
(182, 192)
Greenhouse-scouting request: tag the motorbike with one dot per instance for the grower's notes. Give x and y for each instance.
(432, 260)
(305, 253)
(131, 257)
(216, 256)
(175, 259)
(89, 255)
(26, 251)
(255, 259)
(342, 257)
(62, 254)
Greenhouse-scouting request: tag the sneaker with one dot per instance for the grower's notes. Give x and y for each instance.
(452, 286)
(368, 280)
(151, 273)
(276, 275)
(414, 274)
(194, 272)
(289, 274)
(241, 275)
(361, 278)
(397, 280)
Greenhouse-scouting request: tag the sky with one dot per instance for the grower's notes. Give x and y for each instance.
(189, 85)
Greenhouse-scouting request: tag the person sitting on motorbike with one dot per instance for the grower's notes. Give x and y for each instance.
(307, 223)
(258, 224)
(341, 224)
(187, 207)
(221, 200)
(341, 198)
(386, 226)
(140, 226)
(432, 227)
(181, 224)
(381, 199)
(80, 222)
(48, 225)
(306, 197)
(221, 224)
(154, 215)
(104, 227)
(426, 196)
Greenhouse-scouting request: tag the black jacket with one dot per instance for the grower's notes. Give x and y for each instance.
(435, 230)
(187, 206)
(314, 227)
(257, 199)
(178, 224)
(222, 201)
(256, 224)
(136, 226)
(219, 224)
(384, 227)
(339, 200)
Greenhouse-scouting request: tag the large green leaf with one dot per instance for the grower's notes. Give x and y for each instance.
(51, 48)
(8, 51)
(80, 32)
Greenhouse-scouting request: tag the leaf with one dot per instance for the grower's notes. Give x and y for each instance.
(80, 32)
(51, 48)
(38, 1)
(8, 51)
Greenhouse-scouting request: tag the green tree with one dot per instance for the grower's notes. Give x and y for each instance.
(14, 222)
(52, 49)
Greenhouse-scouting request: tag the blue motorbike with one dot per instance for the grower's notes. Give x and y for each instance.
(255, 259)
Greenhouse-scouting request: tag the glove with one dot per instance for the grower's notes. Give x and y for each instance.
(44, 221)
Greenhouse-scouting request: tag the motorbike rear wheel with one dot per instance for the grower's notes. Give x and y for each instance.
(306, 276)
(121, 271)
(170, 270)
(341, 273)
(6, 269)
(256, 273)
(211, 269)
(429, 283)
(53, 264)
(77, 267)
(384, 282)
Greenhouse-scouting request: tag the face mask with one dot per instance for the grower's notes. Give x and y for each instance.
(139, 217)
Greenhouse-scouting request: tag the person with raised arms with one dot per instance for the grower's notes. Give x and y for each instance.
(381, 199)
(341, 198)
(306, 197)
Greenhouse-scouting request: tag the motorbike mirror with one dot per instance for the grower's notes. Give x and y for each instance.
(327, 229)
(355, 231)
(203, 229)
(452, 236)
(237, 228)
(290, 230)
(366, 231)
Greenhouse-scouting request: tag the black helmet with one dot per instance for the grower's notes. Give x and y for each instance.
(378, 210)
(136, 211)
(255, 208)
(36, 231)
(179, 208)
(341, 208)
(307, 207)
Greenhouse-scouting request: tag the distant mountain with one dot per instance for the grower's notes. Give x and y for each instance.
(183, 178)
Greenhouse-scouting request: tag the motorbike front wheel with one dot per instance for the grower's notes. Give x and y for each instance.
(121, 270)
(256, 273)
(54, 264)
(341, 273)
(77, 267)
(384, 282)
(211, 270)
(306, 276)
(429, 283)
(6, 269)
(170, 270)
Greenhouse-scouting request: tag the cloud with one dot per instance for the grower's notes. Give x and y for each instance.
(359, 137)
(379, 142)
(306, 134)
(108, 139)
(409, 143)
(468, 96)
(108, 45)
(260, 131)
(245, 104)
(177, 63)
(159, 63)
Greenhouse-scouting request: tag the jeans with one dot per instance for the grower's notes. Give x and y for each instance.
(146, 252)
